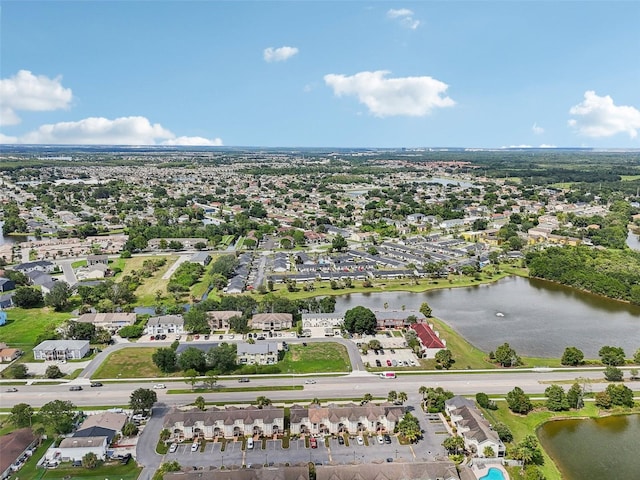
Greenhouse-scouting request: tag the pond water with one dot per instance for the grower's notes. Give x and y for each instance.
(594, 449)
(535, 317)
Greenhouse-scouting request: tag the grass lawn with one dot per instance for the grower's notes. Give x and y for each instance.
(25, 325)
(146, 293)
(466, 356)
(629, 178)
(112, 470)
(131, 363)
(315, 358)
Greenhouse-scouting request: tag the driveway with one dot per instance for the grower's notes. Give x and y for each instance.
(146, 449)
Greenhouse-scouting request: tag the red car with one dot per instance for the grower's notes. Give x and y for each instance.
(313, 442)
(388, 363)
(152, 337)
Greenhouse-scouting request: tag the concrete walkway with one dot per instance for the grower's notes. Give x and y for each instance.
(181, 259)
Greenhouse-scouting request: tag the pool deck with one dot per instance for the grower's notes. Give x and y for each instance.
(481, 470)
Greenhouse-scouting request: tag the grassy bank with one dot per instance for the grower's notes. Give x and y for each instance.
(131, 363)
(24, 325)
(315, 358)
(146, 293)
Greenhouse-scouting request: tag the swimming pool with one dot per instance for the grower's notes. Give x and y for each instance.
(494, 474)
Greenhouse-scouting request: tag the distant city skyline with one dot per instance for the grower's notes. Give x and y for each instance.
(380, 74)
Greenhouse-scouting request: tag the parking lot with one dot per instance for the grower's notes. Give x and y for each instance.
(273, 453)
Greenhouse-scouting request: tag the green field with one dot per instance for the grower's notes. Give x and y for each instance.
(315, 358)
(146, 293)
(131, 363)
(113, 470)
(629, 178)
(25, 325)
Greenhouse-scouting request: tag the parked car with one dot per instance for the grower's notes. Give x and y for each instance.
(387, 439)
(159, 386)
(340, 440)
(313, 443)
(178, 337)
(380, 439)
(378, 364)
(124, 460)
(173, 448)
(195, 446)
(152, 337)
(163, 337)
(388, 362)
(96, 384)
(75, 388)
(360, 440)
(76, 463)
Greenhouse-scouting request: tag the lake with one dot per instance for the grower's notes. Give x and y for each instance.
(633, 241)
(594, 449)
(539, 318)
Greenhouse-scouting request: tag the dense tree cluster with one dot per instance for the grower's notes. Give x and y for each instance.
(612, 273)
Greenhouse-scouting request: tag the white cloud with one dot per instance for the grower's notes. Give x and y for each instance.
(544, 145)
(7, 139)
(405, 17)
(537, 129)
(104, 131)
(385, 97)
(26, 91)
(279, 54)
(600, 117)
(194, 142)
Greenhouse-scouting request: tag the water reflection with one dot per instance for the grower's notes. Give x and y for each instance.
(594, 449)
(539, 318)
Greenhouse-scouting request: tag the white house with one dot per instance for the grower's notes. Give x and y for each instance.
(165, 324)
(74, 448)
(261, 353)
(61, 350)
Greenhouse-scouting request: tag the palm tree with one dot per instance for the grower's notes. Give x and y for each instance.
(402, 397)
(263, 401)
(422, 391)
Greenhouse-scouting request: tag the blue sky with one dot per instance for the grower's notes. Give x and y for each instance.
(321, 73)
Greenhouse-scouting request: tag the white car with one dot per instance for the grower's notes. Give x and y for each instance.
(310, 381)
(360, 441)
(195, 446)
(380, 440)
(159, 386)
(173, 448)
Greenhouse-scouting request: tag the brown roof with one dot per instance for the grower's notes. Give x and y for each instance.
(445, 470)
(228, 415)
(13, 444)
(111, 420)
(351, 411)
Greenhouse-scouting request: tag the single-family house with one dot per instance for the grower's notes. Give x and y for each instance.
(6, 284)
(8, 354)
(109, 420)
(74, 448)
(201, 258)
(39, 265)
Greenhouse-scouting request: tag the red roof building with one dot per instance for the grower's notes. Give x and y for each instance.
(428, 338)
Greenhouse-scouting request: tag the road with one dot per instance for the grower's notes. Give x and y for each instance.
(354, 385)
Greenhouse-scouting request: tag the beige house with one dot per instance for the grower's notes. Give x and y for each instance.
(226, 422)
(271, 321)
(74, 448)
(350, 418)
(8, 354)
(219, 320)
(111, 420)
(110, 321)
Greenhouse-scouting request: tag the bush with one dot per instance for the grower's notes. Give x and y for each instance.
(131, 331)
